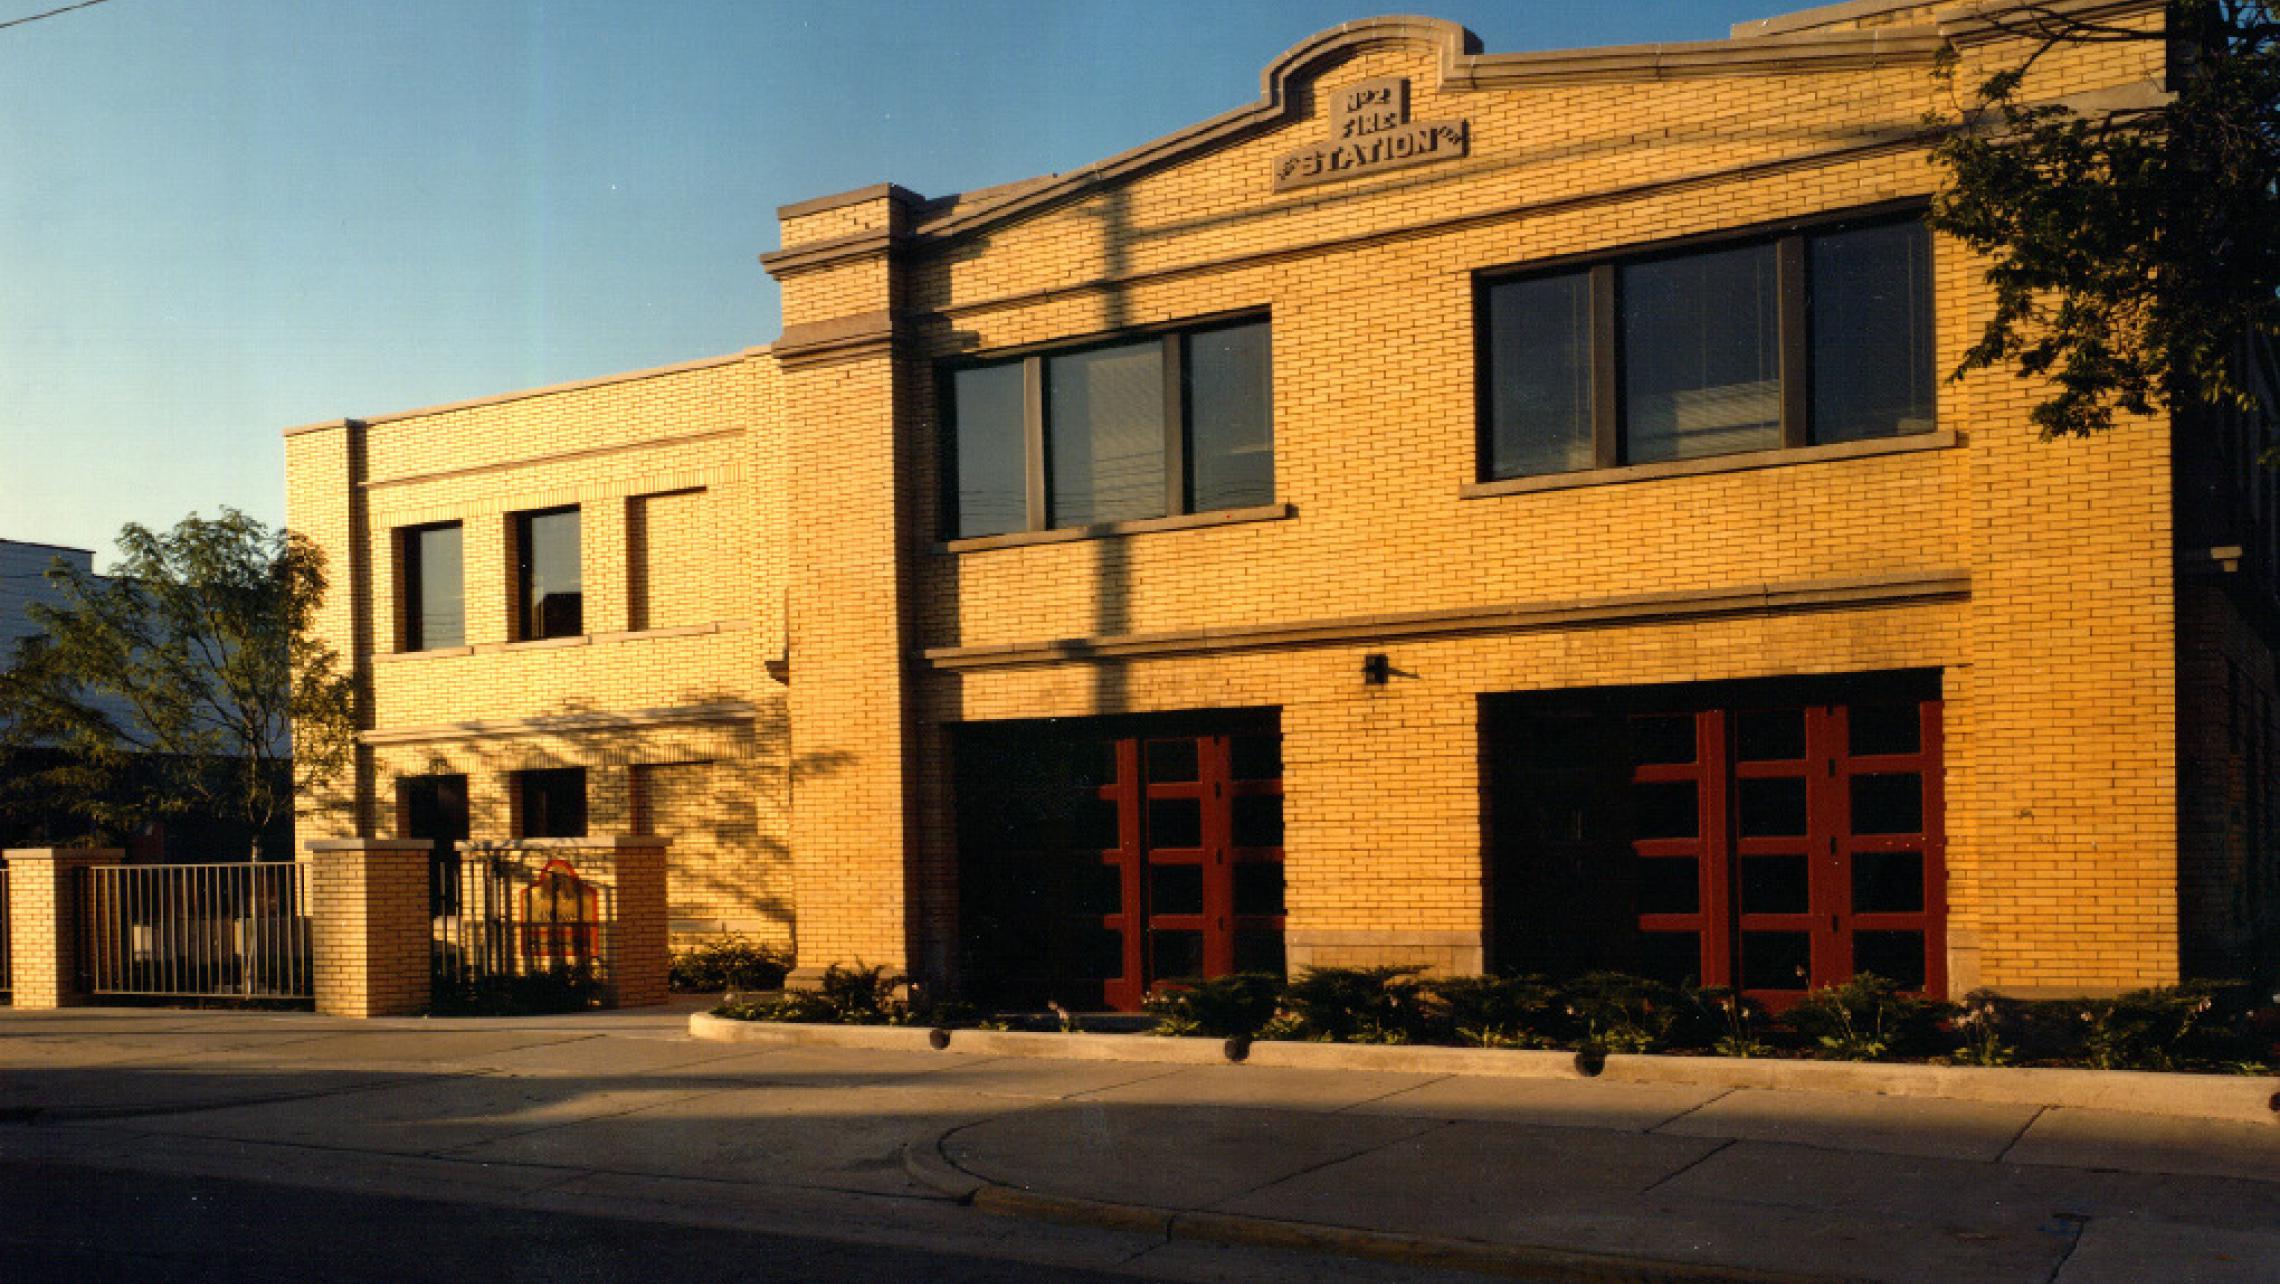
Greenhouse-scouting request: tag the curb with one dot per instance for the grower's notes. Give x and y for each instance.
(926, 1164)
(2232, 1098)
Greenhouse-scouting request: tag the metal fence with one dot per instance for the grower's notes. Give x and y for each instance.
(495, 920)
(223, 930)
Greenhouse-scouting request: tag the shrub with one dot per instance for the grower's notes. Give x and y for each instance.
(2153, 1029)
(729, 962)
(1614, 1012)
(561, 989)
(1980, 1025)
(861, 995)
(1352, 1005)
(1496, 1011)
(1867, 1019)
(791, 1005)
(848, 996)
(1724, 1020)
(1223, 1007)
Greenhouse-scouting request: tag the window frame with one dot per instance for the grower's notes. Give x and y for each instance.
(1601, 267)
(1035, 428)
(411, 564)
(520, 622)
(527, 783)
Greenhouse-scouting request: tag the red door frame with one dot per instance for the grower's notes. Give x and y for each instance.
(1215, 791)
(1829, 846)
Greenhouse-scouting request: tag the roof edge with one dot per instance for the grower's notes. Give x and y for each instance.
(523, 394)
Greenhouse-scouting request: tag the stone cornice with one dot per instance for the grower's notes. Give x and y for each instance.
(1636, 609)
(812, 255)
(837, 339)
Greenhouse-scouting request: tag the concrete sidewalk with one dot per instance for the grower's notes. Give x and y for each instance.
(623, 1115)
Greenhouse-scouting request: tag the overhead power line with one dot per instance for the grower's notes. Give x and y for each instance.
(18, 22)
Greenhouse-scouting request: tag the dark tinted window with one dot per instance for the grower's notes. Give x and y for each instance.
(1539, 360)
(1104, 433)
(1871, 315)
(435, 610)
(1231, 443)
(989, 459)
(553, 803)
(1701, 355)
(551, 594)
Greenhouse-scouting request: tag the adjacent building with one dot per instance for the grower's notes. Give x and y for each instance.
(1475, 510)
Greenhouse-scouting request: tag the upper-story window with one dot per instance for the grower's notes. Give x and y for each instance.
(1178, 422)
(435, 600)
(549, 599)
(1818, 336)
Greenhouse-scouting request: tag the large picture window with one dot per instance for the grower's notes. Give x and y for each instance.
(1817, 336)
(1169, 423)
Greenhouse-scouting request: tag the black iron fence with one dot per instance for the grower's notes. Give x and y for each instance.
(498, 919)
(221, 930)
(7, 970)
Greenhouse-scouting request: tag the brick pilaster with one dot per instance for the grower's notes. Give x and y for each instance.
(43, 922)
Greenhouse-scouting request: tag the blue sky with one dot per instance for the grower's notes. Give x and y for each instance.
(220, 218)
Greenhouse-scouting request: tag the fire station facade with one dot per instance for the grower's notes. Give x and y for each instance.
(1479, 511)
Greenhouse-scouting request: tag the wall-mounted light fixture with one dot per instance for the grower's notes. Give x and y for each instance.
(1377, 668)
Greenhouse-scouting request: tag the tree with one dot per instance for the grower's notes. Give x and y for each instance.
(186, 682)
(2135, 255)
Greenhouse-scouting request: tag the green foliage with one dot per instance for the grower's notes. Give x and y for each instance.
(1223, 1007)
(2132, 254)
(861, 995)
(729, 962)
(175, 685)
(2152, 1029)
(1868, 1019)
(1352, 1005)
(856, 995)
(1615, 1012)
(1734, 1023)
(1979, 1024)
(1496, 1011)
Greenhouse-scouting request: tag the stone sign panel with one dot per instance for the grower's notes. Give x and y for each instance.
(1370, 131)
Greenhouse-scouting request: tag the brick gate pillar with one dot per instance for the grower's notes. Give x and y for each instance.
(43, 922)
(368, 899)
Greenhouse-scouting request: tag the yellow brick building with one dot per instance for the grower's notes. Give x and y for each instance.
(1465, 509)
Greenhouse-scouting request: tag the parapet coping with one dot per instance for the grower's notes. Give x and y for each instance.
(1820, 15)
(522, 394)
(1902, 588)
(1794, 44)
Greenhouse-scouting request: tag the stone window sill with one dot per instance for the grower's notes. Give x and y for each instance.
(1939, 440)
(1108, 530)
(580, 639)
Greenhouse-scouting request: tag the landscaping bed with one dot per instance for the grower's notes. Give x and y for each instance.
(2196, 1050)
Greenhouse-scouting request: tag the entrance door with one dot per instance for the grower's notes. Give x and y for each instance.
(1772, 836)
(1791, 845)
(1101, 857)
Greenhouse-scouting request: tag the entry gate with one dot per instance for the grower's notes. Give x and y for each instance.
(501, 920)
